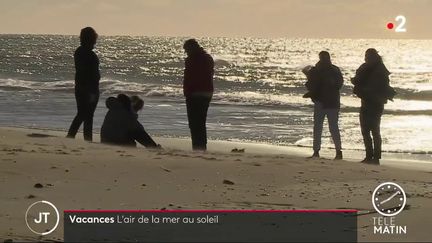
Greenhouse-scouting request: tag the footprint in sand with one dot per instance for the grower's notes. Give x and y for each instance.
(40, 144)
(38, 185)
(165, 169)
(204, 157)
(126, 155)
(228, 182)
(236, 150)
(59, 151)
(42, 150)
(39, 135)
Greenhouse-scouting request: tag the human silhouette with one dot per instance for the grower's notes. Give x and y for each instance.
(87, 78)
(198, 90)
(121, 125)
(324, 83)
(137, 104)
(371, 85)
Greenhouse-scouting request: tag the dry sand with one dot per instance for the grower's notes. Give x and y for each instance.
(80, 175)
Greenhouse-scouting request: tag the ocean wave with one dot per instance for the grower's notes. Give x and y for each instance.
(23, 85)
(350, 104)
(410, 94)
(106, 86)
(389, 111)
(306, 143)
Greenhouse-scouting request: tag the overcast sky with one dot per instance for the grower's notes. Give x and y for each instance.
(239, 18)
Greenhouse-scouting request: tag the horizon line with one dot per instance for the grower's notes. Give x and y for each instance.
(232, 37)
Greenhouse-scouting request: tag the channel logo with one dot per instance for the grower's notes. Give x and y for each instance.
(389, 199)
(42, 217)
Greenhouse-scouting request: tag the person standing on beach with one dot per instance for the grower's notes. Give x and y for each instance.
(87, 78)
(324, 83)
(198, 90)
(372, 86)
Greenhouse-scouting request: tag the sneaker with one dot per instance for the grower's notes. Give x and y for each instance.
(370, 161)
(375, 162)
(314, 155)
(339, 155)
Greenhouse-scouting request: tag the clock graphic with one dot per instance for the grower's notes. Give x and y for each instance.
(389, 199)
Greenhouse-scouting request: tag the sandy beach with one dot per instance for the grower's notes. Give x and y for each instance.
(251, 119)
(78, 175)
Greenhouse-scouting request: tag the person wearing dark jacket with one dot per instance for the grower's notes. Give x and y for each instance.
(198, 90)
(324, 83)
(372, 86)
(121, 125)
(87, 78)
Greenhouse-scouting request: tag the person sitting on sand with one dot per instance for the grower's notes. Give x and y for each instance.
(136, 104)
(324, 83)
(121, 125)
(372, 86)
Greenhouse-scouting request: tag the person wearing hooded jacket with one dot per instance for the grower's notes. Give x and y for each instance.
(324, 83)
(372, 86)
(198, 90)
(121, 125)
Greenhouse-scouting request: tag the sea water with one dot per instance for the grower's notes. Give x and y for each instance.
(258, 86)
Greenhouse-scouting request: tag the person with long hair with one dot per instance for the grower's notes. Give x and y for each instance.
(372, 86)
(87, 78)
